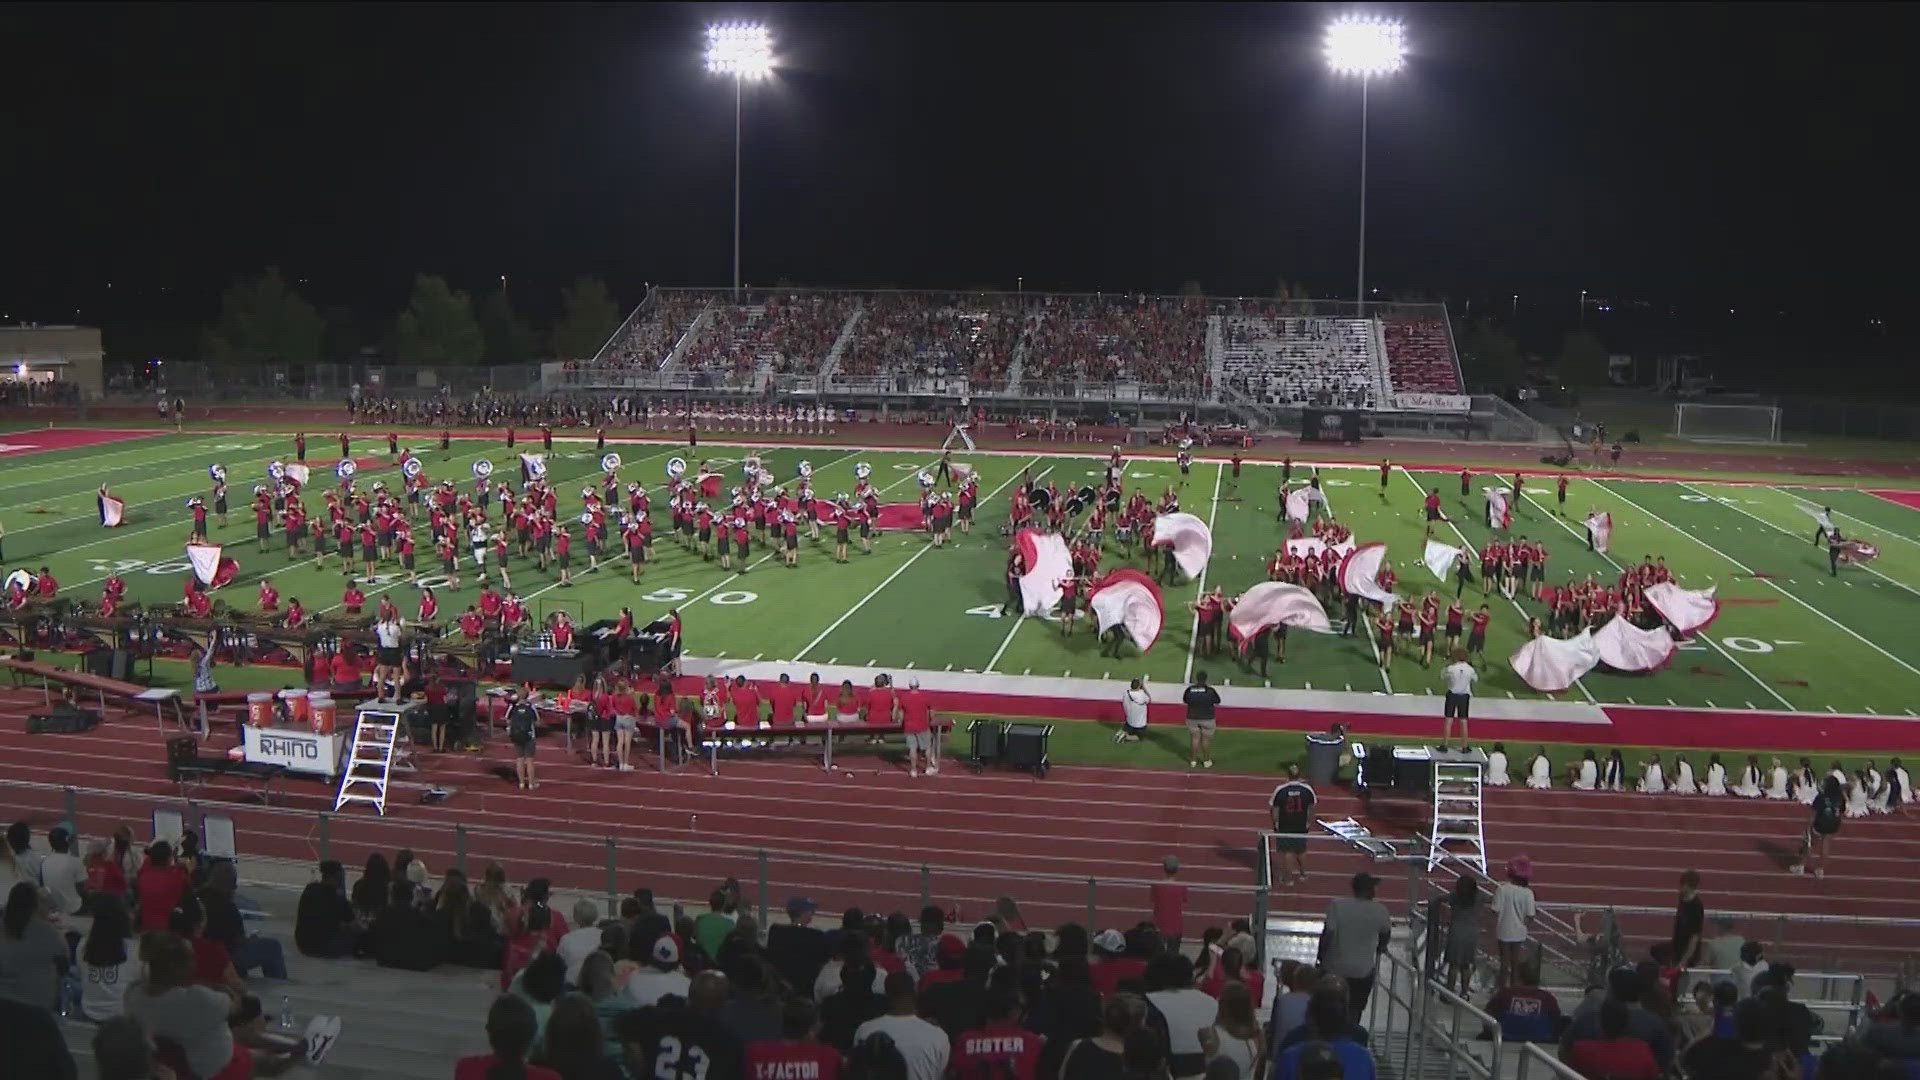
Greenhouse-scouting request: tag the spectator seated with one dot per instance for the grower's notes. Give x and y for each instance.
(1158, 341)
(648, 342)
(1297, 361)
(1420, 357)
(789, 334)
(931, 335)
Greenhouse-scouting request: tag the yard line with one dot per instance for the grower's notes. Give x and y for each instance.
(1805, 502)
(1019, 617)
(1749, 570)
(914, 558)
(1193, 637)
(1522, 612)
(1731, 659)
(1777, 528)
(1366, 631)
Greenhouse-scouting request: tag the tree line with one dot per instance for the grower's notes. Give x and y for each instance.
(264, 320)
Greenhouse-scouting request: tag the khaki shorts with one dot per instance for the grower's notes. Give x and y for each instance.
(921, 741)
(1202, 727)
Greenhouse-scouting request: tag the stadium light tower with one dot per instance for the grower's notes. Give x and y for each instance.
(1370, 48)
(743, 52)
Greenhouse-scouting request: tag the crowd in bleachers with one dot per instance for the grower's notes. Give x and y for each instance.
(787, 334)
(1152, 340)
(649, 341)
(1420, 356)
(39, 392)
(928, 335)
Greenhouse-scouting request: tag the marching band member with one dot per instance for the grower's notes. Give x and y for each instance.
(199, 508)
(562, 551)
(500, 556)
(353, 599)
(429, 607)
(220, 499)
(790, 537)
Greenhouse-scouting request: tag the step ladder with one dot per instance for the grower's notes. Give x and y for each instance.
(1458, 828)
(371, 759)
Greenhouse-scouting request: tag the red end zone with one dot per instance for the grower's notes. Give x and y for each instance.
(1908, 499)
(17, 443)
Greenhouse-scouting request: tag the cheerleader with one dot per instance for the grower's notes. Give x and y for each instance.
(1805, 784)
(1497, 766)
(1540, 773)
(1779, 781)
(1749, 785)
(1838, 772)
(1716, 776)
(1857, 794)
(1586, 775)
(1616, 775)
(1899, 787)
(1652, 779)
(712, 710)
(1876, 789)
(1683, 783)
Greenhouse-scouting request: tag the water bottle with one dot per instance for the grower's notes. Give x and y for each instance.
(286, 1013)
(69, 994)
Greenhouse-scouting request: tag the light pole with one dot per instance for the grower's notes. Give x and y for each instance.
(743, 51)
(1583, 309)
(1367, 47)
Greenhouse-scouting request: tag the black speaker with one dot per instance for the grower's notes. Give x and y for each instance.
(62, 722)
(122, 668)
(1025, 746)
(98, 662)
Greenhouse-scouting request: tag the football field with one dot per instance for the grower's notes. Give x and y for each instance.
(1790, 636)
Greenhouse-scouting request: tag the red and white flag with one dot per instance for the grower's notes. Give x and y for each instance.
(1499, 508)
(298, 474)
(1687, 609)
(710, 485)
(1440, 558)
(205, 559)
(112, 511)
(1300, 502)
(1626, 647)
(1047, 564)
(1190, 539)
(1550, 665)
(1360, 573)
(1600, 528)
(1129, 599)
(1275, 603)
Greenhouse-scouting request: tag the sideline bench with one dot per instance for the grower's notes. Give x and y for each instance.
(712, 739)
(192, 770)
(130, 697)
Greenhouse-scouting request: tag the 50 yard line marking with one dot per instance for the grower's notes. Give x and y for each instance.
(1563, 523)
(1200, 590)
(835, 625)
(1745, 569)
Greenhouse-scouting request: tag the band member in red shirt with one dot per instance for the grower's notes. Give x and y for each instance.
(1069, 602)
(1383, 637)
(300, 446)
(489, 604)
(1477, 632)
(46, 585)
(117, 587)
(343, 444)
(353, 599)
(1456, 614)
(109, 605)
(1433, 510)
(790, 538)
(471, 624)
(1465, 477)
(1386, 469)
(1429, 617)
(563, 552)
(429, 608)
(741, 538)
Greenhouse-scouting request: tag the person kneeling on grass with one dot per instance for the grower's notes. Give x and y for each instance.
(1133, 705)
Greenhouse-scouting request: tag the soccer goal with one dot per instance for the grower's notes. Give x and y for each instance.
(1726, 423)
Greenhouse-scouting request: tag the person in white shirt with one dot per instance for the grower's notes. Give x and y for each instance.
(1133, 706)
(62, 873)
(923, 1045)
(580, 942)
(1513, 911)
(1186, 1009)
(660, 976)
(1459, 677)
(26, 860)
(109, 960)
(387, 657)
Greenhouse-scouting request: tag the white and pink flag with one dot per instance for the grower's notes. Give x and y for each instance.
(1300, 502)
(205, 559)
(112, 511)
(1600, 528)
(1131, 600)
(1190, 539)
(1275, 603)
(1360, 573)
(1689, 610)
(1626, 647)
(1550, 665)
(1047, 563)
(1499, 508)
(1440, 558)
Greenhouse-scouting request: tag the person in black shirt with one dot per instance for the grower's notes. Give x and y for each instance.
(1689, 921)
(323, 924)
(797, 949)
(678, 1040)
(1828, 809)
(1292, 804)
(403, 936)
(1742, 1056)
(1200, 700)
(842, 1013)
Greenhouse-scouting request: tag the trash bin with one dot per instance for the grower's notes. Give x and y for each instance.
(1323, 756)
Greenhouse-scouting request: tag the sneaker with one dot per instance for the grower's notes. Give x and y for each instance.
(1796, 868)
(322, 1033)
(624, 767)
(1820, 873)
(1207, 763)
(1193, 764)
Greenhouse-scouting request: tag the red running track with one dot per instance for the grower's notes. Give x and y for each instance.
(868, 830)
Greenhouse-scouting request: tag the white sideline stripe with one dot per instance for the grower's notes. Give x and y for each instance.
(1770, 582)
(888, 580)
(1563, 523)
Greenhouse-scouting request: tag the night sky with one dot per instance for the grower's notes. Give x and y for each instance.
(1684, 156)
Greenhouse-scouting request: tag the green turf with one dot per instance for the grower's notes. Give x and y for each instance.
(1796, 638)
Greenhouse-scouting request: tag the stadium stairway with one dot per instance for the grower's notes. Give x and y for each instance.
(404, 1025)
(848, 331)
(676, 360)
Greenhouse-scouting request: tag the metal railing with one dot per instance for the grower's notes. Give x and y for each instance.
(685, 866)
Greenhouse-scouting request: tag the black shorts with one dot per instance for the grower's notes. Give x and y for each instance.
(793, 542)
(1296, 843)
(220, 506)
(636, 554)
(1426, 635)
(600, 725)
(1537, 572)
(965, 511)
(566, 558)
(1433, 514)
(262, 530)
(706, 534)
(406, 560)
(500, 558)
(1452, 632)
(840, 535)
(725, 544)
(449, 565)
(1068, 603)
(1456, 705)
(369, 552)
(866, 530)
(1476, 642)
(525, 536)
(387, 657)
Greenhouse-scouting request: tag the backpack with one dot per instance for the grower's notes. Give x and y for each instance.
(1826, 817)
(520, 724)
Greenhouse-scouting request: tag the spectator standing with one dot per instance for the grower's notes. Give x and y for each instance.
(917, 948)
(1513, 913)
(1201, 700)
(226, 926)
(1614, 1054)
(712, 926)
(160, 885)
(923, 1045)
(797, 948)
(1292, 804)
(62, 873)
(1689, 921)
(1463, 932)
(1356, 933)
(1829, 808)
(1169, 902)
(798, 1051)
(1187, 1012)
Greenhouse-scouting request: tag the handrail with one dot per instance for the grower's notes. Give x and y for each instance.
(1532, 1053)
